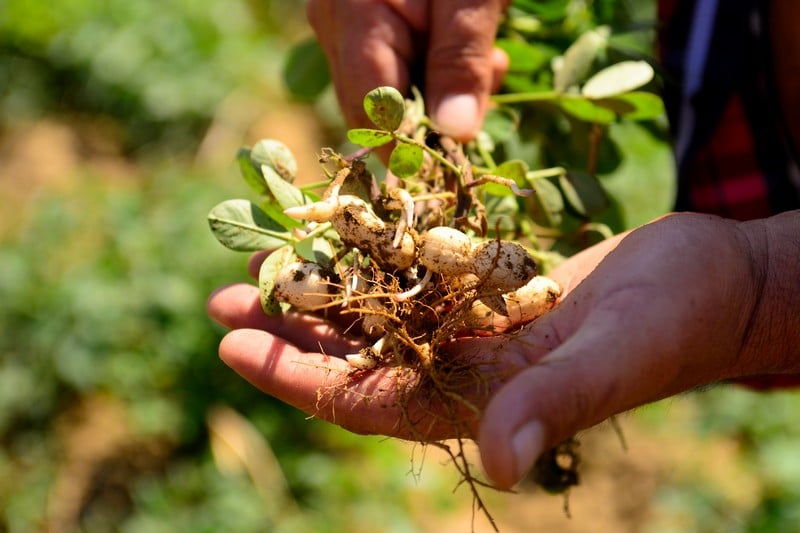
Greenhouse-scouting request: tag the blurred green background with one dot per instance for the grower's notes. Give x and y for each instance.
(119, 122)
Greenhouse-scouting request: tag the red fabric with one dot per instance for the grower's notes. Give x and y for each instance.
(725, 176)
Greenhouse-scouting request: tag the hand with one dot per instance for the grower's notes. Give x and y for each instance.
(670, 306)
(370, 43)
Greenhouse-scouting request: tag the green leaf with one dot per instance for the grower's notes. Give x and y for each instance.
(546, 203)
(369, 138)
(315, 249)
(266, 279)
(385, 107)
(583, 193)
(619, 78)
(305, 72)
(251, 174)
(406, 160)
(275, 155)
(586, 110)
(501, 123)
(243, 226)
(635, 105)
(286, 194)
(578, 58)
(514, 170)
(525, 57)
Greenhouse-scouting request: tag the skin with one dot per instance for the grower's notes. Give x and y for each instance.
(685, 301)
(370, 43)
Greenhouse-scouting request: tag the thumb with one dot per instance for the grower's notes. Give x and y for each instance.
(462, 64)
(594, 374)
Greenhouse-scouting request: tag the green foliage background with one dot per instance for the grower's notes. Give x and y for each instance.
(103, 284)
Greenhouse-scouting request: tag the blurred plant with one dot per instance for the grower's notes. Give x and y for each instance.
(161, 68)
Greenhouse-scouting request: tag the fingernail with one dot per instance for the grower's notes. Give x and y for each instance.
(457, 116)
(526, 445)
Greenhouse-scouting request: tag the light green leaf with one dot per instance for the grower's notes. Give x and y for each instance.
(275, 155)
(369, 138)
(635, 105)
(385, 107)
(305, 72)
(525, 57)
(515, 170)
(583, 193)
(286, 194)
(586, 110)
(252, 176)
(266, 279)
(578, 59)
(406, 160)
(243, 226)
(617, 79)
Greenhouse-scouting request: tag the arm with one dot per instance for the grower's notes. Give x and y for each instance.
(685, 301)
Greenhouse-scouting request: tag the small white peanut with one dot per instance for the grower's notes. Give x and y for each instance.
(503, 265)
(446, 250)
(303, 285)
(524, 305)
(360, 227)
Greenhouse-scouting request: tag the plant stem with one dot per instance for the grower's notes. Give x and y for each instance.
(433, 153)
(516, 98)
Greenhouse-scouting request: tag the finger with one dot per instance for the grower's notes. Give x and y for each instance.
(254, 263)
(384, 401)
(461, 64)
(238, 306)
(368, 44)
(597, 372)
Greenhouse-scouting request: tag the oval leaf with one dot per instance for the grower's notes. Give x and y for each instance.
(636, 105)
(305, 72)
(275, 155)
(385, 107)
(578, 58)
(406, 160)
(369, 138)
(583, 193)
(586, 110)
(251, 173)
(266, 279)
(315, 249)
(286, 194)
(546, 203)
(243, 226)
(617, 79)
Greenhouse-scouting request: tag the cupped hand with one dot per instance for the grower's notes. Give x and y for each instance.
(445, 46)
(645, 315)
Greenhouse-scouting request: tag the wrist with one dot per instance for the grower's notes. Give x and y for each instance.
(771, 344)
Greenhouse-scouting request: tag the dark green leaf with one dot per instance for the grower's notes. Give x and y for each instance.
(315, 249)
(369, 138)
(305, 72)
(266, 279)
(243, 226)
(584, 193)
(635, 105)
(385, 107)
(406, 160)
